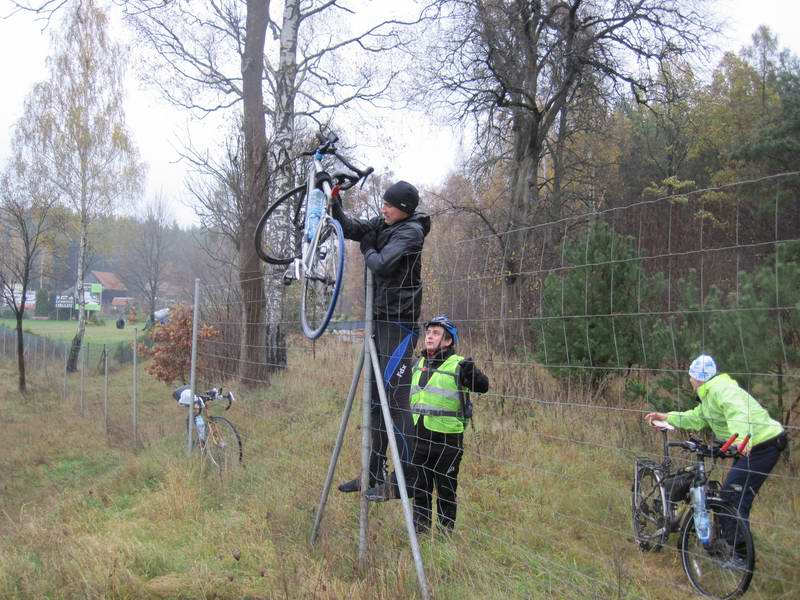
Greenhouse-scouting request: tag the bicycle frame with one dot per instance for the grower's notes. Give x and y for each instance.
(700, 477)
(215, 437)
(315, 255)
(676, 511)
(300, 266)
(717, 554)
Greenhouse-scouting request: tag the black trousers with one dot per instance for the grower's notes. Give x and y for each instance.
(395, 343)
(743, 481)
(436, 459)
(748, 474)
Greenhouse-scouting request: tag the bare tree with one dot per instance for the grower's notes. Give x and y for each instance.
(512, 67)
(76, 119)
(25, 224)
(143, 264)
(220, 57)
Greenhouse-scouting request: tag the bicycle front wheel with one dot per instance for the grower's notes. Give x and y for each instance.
(649, 508)
(223, 445)
(279, 233)
(322, 279)
(724, 567)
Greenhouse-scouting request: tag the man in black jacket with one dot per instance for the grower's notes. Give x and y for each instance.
(392, 249)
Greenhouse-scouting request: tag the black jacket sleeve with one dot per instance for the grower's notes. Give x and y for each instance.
(406, 240)
(472, 378)
(353, 229)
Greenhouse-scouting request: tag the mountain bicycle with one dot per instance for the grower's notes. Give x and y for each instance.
(715, 544)
(215, 437)
(299, 231)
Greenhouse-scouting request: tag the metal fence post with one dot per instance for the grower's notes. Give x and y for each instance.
(366, 429)
(66, 357)
(34, 351)
(193, 366)
(44, 356)
(105, 387)
(135, 365)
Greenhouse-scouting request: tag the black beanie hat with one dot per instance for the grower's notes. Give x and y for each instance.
(402, 195)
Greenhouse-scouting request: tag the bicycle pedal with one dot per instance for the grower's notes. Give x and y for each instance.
(322, 254)
(288, 277)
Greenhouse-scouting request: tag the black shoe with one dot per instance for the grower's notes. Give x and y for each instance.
(354, 485)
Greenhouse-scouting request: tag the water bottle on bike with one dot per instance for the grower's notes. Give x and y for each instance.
(702, 523)
(200, 425)
(316, 206)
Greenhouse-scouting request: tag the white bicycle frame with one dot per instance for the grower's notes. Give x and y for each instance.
(301, 266)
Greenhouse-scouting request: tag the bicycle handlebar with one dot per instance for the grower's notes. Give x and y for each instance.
(716, 450)
(214, 394)
(343, 180)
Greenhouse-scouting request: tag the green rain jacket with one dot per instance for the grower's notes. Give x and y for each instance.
(727, 409)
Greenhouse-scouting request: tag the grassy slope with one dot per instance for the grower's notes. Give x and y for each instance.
(65, 330)
(544, 504)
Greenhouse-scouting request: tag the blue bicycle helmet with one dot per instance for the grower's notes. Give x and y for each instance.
(444, 322)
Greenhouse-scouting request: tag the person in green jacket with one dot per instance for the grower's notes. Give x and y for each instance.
(726, 409)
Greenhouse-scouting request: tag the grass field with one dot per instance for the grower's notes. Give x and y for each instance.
(65, 330)
(544, 503)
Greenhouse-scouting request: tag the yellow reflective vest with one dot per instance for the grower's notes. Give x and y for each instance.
(439, 402)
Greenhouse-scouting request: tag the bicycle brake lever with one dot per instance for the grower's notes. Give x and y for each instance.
(367, 173)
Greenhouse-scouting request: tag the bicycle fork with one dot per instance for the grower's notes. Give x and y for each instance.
(293, 272)
(299, 266)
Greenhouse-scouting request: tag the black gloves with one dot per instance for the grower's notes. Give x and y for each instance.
(467, 367)
(368, 241)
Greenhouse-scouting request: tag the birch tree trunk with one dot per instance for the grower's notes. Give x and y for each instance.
(285, 88)
(80, 298)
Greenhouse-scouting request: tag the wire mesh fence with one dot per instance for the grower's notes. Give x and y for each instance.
(103, 387)
(582, 325)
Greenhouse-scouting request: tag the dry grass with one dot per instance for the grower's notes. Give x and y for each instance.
(544, 507)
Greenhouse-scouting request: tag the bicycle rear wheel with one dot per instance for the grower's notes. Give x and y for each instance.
(722, 569)
(323, 279)
(649, 508)
(223, 445)
(279, 233)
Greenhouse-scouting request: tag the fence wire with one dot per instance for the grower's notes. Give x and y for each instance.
(583, 325)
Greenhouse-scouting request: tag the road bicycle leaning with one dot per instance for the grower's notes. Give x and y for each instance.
(715, 544)
(214, 437)
(299, 231)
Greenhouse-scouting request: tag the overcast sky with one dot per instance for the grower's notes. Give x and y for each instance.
(423, 154)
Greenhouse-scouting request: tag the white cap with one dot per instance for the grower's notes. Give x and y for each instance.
(703, 368)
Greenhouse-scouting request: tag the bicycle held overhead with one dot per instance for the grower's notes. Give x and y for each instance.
(299, 231)
(715, 543)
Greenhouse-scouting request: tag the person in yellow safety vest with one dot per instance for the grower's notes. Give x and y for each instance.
(440, 408)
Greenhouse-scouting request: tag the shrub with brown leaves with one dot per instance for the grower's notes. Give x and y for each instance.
(172, 348)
